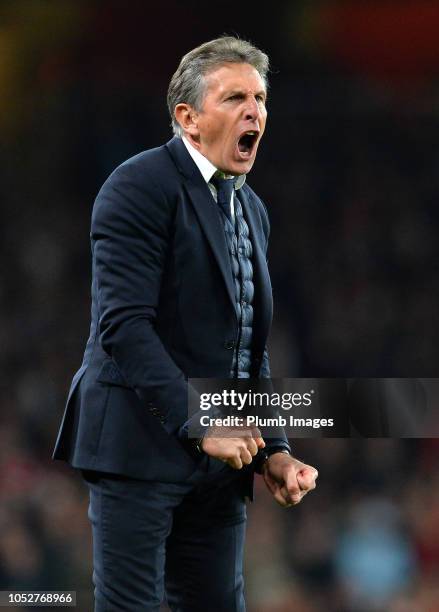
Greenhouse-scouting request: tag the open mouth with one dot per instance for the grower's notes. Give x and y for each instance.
(247, 142)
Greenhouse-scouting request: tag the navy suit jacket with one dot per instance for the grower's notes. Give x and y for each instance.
(163, 310)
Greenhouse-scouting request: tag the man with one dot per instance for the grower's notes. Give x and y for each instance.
(180, 290)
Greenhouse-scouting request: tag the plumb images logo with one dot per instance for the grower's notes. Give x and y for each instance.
(261, 409)
(321, 407)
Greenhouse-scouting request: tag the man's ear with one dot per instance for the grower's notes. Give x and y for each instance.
(187, 117)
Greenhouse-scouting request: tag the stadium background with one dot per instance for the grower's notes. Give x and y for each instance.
(349, 168)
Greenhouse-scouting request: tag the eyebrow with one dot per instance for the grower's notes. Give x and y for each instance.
(234, 92)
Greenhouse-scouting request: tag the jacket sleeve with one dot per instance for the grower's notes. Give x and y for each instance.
(131, 233)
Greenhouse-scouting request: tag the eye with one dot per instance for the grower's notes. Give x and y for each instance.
(235, 97)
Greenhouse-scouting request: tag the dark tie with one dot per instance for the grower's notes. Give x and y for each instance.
(224, 189)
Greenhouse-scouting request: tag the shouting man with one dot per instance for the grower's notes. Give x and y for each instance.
(180, 290)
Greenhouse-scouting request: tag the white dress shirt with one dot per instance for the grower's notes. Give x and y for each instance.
(207, 170)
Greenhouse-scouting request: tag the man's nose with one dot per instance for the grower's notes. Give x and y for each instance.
(252, 110)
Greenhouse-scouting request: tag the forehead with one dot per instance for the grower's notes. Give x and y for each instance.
(234, 77)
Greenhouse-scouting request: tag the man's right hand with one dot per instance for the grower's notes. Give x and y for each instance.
(233, 445)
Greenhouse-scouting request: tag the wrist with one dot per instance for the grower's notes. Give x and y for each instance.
(266, 453)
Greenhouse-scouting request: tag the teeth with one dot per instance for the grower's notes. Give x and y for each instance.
(251, 133)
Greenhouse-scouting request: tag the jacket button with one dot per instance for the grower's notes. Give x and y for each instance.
(229, 345)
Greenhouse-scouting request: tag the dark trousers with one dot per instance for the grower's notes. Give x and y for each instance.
(152, 538)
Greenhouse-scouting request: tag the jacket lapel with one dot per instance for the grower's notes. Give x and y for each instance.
(206, 210)
(212, 226)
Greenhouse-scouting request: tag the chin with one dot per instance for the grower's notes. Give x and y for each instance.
(245, 168)
(240, 168)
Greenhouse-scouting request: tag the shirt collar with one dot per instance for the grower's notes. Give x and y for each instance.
(206, 168)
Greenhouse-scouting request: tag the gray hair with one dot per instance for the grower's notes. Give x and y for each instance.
(188, 84)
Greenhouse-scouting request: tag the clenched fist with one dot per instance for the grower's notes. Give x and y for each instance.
(234, 445)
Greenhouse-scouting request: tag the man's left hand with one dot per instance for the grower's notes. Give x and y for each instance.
(288, 479)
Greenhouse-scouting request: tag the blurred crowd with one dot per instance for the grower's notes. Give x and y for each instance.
(349, 171)
(367, 540)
